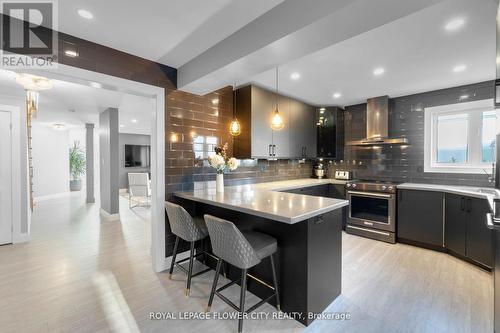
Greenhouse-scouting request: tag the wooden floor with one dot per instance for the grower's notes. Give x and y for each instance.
(81, 274)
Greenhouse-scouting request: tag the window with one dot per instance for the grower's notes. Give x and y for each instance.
(460, 138)
(203, 146)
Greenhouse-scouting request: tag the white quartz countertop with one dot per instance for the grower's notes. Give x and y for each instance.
(471, 191)
(265, 200)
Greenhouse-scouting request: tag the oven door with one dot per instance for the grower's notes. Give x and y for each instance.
(374, 210)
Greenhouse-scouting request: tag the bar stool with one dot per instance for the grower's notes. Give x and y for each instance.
(243, 249)
(190, 229)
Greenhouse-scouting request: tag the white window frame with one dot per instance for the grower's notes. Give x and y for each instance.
(475, 110)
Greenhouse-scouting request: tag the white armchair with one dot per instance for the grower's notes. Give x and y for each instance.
(139, 186)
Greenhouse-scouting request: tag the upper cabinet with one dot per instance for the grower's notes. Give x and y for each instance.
(330, 132)
(254, 109)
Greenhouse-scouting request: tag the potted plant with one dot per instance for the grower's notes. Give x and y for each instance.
(222, 163)
(76, 166)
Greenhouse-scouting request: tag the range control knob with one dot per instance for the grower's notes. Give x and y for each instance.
(391, 188)
(348, 185)
(384, 187)
(353, 185)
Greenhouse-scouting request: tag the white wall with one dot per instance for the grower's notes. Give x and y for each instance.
(50, 160)
(22, 228)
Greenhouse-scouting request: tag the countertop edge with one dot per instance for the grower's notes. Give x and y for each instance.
(443, 188)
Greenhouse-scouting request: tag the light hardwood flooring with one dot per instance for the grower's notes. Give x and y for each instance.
(83, 274)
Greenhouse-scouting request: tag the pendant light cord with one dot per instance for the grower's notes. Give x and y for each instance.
(277, 88)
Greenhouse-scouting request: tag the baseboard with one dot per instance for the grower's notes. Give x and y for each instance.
(108, 216)
(21, 238)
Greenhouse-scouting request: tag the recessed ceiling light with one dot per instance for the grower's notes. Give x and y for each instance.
(96, 85)
(454, 24)
(337, 95)
(378, 71)
(464, 97)
(122, 126)
(459, 68)
(134, 120)
(85, 14)
(295, 76)
(71, 53)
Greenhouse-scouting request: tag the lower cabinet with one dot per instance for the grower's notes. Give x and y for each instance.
(420, 217)
(462, 230)
(455, 223)
(317, 191)
(466, 232)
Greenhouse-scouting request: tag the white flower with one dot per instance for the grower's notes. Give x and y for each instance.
(232, 164)
(216, 161)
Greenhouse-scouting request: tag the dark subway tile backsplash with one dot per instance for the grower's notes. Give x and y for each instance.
(406, 119)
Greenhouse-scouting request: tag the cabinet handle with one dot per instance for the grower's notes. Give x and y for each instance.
(319, 219)
(274, 150)
(469, 201)
(462, 203)
(270, 154)
(305, 152)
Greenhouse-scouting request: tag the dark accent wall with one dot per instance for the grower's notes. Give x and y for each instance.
(406, 119)
(194, 123)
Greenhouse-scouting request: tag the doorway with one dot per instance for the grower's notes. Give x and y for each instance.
(5, 177)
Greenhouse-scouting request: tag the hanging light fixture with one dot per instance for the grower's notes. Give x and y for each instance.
(33, 82)
(234, 127)
(277, 122)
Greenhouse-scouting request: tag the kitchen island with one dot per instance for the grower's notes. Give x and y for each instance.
(309, 234)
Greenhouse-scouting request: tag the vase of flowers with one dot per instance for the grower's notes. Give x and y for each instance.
(222, 163)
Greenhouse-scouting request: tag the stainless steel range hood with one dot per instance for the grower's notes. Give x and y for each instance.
(377, 125)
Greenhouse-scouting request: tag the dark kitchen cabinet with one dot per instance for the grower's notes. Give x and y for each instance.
(302, 130)
(420, 217)
(337, 191)
(317, 191)
(254, 109)
(455, 223)
(330, 132)
(479, 240)
(466, 232)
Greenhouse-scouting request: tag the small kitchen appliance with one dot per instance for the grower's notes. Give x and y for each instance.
(319, 169)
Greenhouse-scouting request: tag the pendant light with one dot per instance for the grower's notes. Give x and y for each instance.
(234, 127)
(277, 121)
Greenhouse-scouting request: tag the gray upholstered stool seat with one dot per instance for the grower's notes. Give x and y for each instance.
(243, 249)
(202, 227)
(263, 245)
(191, 229)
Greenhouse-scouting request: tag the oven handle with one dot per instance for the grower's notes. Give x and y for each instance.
(371, 194)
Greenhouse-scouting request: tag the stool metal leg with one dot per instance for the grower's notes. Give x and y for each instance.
(275, 281)
(214, 285)
(242, 299)
(190, 272)
(173, 257)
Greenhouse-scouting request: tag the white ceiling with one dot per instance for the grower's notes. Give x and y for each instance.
(415, 50)
(418, 55)
(168, 31)
(74, 105)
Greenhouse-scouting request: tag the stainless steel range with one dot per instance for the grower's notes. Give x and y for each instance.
(372, 210)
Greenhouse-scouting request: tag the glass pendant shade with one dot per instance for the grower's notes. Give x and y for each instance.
(235, 127)
(277, 122)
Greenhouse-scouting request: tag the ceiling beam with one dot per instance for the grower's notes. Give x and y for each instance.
(288, 31)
